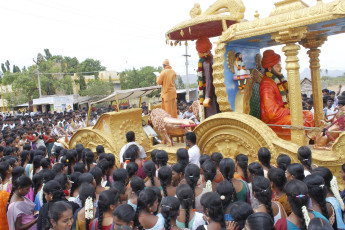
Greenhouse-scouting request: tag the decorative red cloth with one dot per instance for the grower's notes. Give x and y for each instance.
(269, 59)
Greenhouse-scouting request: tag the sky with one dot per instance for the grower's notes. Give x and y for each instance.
(121, 34)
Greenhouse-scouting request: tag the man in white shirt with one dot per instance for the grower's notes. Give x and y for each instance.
(193, 151)
(130, 136)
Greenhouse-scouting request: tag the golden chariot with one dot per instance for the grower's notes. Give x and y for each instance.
(237, 129)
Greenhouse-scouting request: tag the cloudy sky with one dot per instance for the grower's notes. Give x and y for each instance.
(121, 34)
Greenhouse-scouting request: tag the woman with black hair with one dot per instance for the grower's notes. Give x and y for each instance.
(88, 159)
(16, 173)
(169, 209)
(297, 192)
(20, 210)
(79, 148)
(153, 157)
(187, 217)
(333, 196)
(97, 174)
(239, 212)
(159, 198)
(192, 176)
(75, 185)
(317, 192)
(241, 167)
(259, 221)
(283, 161)
(123, 215)
(177, 174)
(137, 185)
(162, 158)
(111, 160)
(213, 212)
(264, 156)
(150, 171)
(209, 169)
(319, 224)
(132, 169)
(45, 163)
(147, 205)
(216, 157)
(165, 178)
(304, 156)
(262, 192)
(120, 175)
(47, 175)
(104, 165)
(53, 192)
(278, 181)
(107, 202)
(227, 193)
(25, 158)
(132, 155)
(182, 157)
(6, 174)
(227, 168)
(60, 216)
(36, 164)
(65, 184)
(84, 215)
(295, 171)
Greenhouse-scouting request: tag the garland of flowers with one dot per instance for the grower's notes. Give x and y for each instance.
(202, 86)
(282, 86)
(89, 208)
(201, 82)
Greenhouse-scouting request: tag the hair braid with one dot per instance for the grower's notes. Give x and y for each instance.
(87, 222)
(136, 219)
(324, 210)
(164, 189)
(268, 206)
(193, 203)
(167, 223)
(152, 180)
(186, 222)
(10, 197)
(301, 219)
(69, 168)
(100, 218)
(88, 167)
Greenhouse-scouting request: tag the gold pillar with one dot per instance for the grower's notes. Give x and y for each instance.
(289, 38)
(313, 44)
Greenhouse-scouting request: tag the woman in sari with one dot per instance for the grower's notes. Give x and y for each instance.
(20, 212)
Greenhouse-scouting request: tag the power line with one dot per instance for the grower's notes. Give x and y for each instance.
(15, 74)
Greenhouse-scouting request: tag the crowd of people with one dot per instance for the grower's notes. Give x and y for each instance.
(330, 102)
(80, 189)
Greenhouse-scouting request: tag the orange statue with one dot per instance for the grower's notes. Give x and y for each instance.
(274, 97)
(207, 96)
(323, 140)
(167, 80)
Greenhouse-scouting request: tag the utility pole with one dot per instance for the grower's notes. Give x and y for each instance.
(187, 81)
(38, 75)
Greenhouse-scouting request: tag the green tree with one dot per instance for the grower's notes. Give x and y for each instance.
(24, 88)
(7, 64)
(179, 82)
(65, 84)
(97, 88)
(144, 77)
(47, 53)
(89, 66)
(3, 68)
